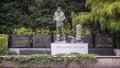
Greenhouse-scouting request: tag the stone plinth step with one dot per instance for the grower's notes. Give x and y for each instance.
(102, 51)
(29, 51)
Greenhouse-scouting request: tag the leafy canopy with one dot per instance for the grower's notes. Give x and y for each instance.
(104, 12)
(34, 13)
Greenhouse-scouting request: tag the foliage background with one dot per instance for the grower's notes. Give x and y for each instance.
(35, 13)
(3, 44)
(103, 17)
(96, 16)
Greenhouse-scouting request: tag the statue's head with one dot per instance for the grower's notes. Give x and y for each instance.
(58, 9)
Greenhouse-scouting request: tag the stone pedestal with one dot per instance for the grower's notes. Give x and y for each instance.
(68, 48)
(55, 39)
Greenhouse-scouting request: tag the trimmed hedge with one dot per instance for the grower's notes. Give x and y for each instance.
(48, 59)
(3, 44)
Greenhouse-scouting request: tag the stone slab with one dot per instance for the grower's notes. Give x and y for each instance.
(43, 41)
(88, 39)
(102, 51)
(28, 51)
(104, 41)
(117, 52)
(69, 48)
(20, 41)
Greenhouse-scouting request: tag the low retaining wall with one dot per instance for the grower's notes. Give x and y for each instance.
(102, 62)
(107, 62)
(30, 51)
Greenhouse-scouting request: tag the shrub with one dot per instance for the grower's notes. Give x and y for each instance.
(48, 31)
(48, 59)
(70, 31)
(79, 58)
(23, 30)
(43, 31)
(3, 44)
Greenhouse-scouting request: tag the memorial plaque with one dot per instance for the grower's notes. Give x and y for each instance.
(41, 41)
(88, 39)
(104, 41)
(68, 48)
(20, 40)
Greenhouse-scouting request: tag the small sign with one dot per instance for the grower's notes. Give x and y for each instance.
(20, 41)
(104, 41)
(69, 48)
(41, 41)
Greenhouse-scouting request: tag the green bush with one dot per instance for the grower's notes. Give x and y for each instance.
(48, 59)
(3, 44)
(23, 30)
(48, 31)
(70, 31)
(43, 31)
(79, 58)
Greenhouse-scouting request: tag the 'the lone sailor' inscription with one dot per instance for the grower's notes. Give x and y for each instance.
(69, 48)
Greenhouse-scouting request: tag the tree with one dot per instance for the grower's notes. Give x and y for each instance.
(34, 13)
(13, 14)
(104, 15)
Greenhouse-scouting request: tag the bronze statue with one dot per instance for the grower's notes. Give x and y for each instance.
(59, 17)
